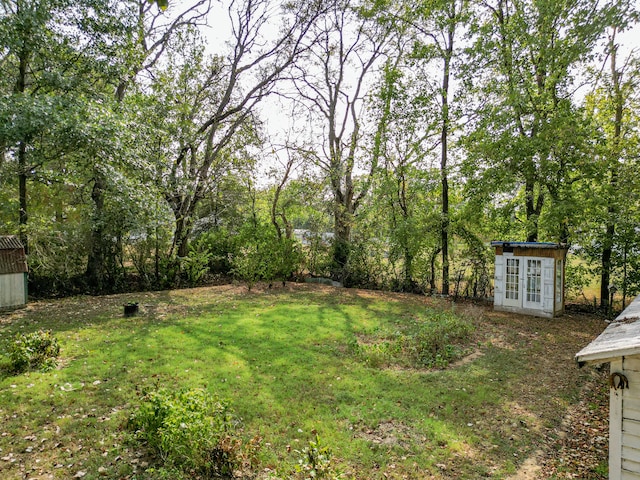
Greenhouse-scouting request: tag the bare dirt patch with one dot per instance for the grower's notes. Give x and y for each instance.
(530, 469)
(472, 357)
(389, 434)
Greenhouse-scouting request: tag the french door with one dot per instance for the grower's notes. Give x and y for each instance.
(523, 282)
(512, 283)
(532, 297)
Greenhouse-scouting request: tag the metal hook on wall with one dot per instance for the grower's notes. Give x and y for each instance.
(618, 381)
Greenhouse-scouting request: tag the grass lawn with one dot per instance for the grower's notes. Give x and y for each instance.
(285, 361)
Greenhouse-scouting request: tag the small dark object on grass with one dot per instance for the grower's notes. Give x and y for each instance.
(130, 309)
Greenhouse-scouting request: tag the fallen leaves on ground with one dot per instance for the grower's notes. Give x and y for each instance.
(581, 447)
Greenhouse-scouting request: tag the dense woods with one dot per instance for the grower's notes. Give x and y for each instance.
(382, 144)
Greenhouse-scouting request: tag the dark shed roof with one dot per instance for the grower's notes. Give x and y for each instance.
(529, 244)
(12, 257)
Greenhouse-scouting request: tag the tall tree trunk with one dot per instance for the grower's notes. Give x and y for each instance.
(183, 208)
(444, 228)
(22, 193)
(444, 138)
(20, 87)
(276, 199)
(605, 262)
(533, 209)
(341, 242)
(612, 210)
(181, 234)
(409, 284)
(95, 272)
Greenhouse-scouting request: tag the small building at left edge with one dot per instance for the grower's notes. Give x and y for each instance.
(13, 273)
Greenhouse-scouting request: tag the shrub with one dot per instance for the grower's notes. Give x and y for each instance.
(264, 256)
(33, 351)
(195, 265)
(191, 431)
(222, 245)
(315, 462)
(438, 340)
(367, 266)
(432, 342)
(577, 278)
(248, 265)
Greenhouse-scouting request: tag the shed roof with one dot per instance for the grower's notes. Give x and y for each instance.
(12, 257)
(501, 243)
(620, 338)
(9, 242)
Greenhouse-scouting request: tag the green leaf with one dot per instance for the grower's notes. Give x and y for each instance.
(162, 4)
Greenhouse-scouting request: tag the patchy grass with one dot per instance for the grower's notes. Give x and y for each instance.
(284, 360)
(433, 339)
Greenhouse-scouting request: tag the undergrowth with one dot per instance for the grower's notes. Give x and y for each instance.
(431, 342)
(316, 462)
(191, 431)
(37, 350)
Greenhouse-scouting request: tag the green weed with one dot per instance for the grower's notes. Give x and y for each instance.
(315, 462)
(33, 351)
(191, 431)
(431, 342)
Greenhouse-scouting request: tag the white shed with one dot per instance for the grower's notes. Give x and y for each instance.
(619, 345)
(529, 277)
(13, 273)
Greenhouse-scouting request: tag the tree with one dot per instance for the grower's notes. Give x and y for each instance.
(404, 196)
(612, 108)
(436, 25)
(33, 47)
(333, 84)
(526, 120)
(143, 35)
(223, 97)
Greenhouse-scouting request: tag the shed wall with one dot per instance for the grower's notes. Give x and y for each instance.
(12, 290)
(546, 306)
(624, 427)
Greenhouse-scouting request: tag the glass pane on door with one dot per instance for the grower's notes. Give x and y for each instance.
(534, 281)
(559, 282)
(512, 286)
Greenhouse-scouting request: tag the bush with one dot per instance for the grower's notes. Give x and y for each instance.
(264, 256)
(315, 462)
(438, 341)
(433, 342)
(222, 245)
(195, 266)
(191, 431)
(367, 266)
(34, 351)
(248, 265)
(577, 278)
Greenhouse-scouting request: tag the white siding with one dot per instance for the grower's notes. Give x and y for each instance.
(548, 278)
(498, 284)
(536, 284)
(624, 427)
(615, 426)
(12, 290)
